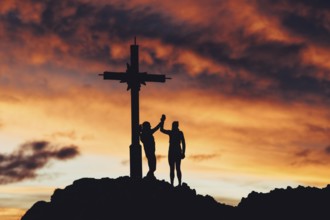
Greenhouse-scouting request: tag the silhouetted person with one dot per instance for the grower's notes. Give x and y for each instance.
(147, 138)
(175, 152)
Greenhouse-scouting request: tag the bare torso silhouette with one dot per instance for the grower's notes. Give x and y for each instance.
(176, 151)
(147, 138)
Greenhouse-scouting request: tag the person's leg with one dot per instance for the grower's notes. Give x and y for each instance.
(178, 170)
(149, 165)
(171, 163)
(149, 158)
(152, 165)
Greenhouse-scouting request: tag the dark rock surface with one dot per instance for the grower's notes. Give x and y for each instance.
(125, 198)
(289, 203)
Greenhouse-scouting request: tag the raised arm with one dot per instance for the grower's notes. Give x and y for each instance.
(162, 120)
(153, 130)
(163, 130)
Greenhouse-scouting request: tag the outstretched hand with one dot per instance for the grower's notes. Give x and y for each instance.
(163, 118)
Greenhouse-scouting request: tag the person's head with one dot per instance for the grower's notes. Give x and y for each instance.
(146, 126)
(175, 125)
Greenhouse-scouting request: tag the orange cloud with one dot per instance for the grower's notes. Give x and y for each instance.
(245, 84)
(318, 56)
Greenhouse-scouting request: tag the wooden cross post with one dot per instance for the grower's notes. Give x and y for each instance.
(134, 79)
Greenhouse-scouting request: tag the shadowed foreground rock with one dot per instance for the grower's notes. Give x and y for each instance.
(298, 203)
(124, 198)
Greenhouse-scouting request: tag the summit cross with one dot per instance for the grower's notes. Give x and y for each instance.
(134, 79)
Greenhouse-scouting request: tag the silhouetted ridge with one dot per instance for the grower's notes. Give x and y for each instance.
(125, 198)
(298, 203)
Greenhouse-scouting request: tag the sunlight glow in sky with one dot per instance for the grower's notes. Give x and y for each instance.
(250, 86)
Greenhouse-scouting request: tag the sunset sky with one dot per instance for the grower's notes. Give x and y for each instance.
(250, 87)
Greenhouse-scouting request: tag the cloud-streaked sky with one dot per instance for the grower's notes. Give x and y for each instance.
(250, 86)
(32, 156)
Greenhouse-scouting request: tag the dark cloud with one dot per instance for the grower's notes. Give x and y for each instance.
(309, 157)
(36, 146)
(281, 84)
(317, 4)
(305, 18)
(31, 157)
(261, 59)
(318, 129)
(303, 153)
(66, 153)
(327, 150)
(309, 27)
(276, 62)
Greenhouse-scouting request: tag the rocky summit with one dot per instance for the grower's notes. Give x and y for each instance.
(126, 198)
